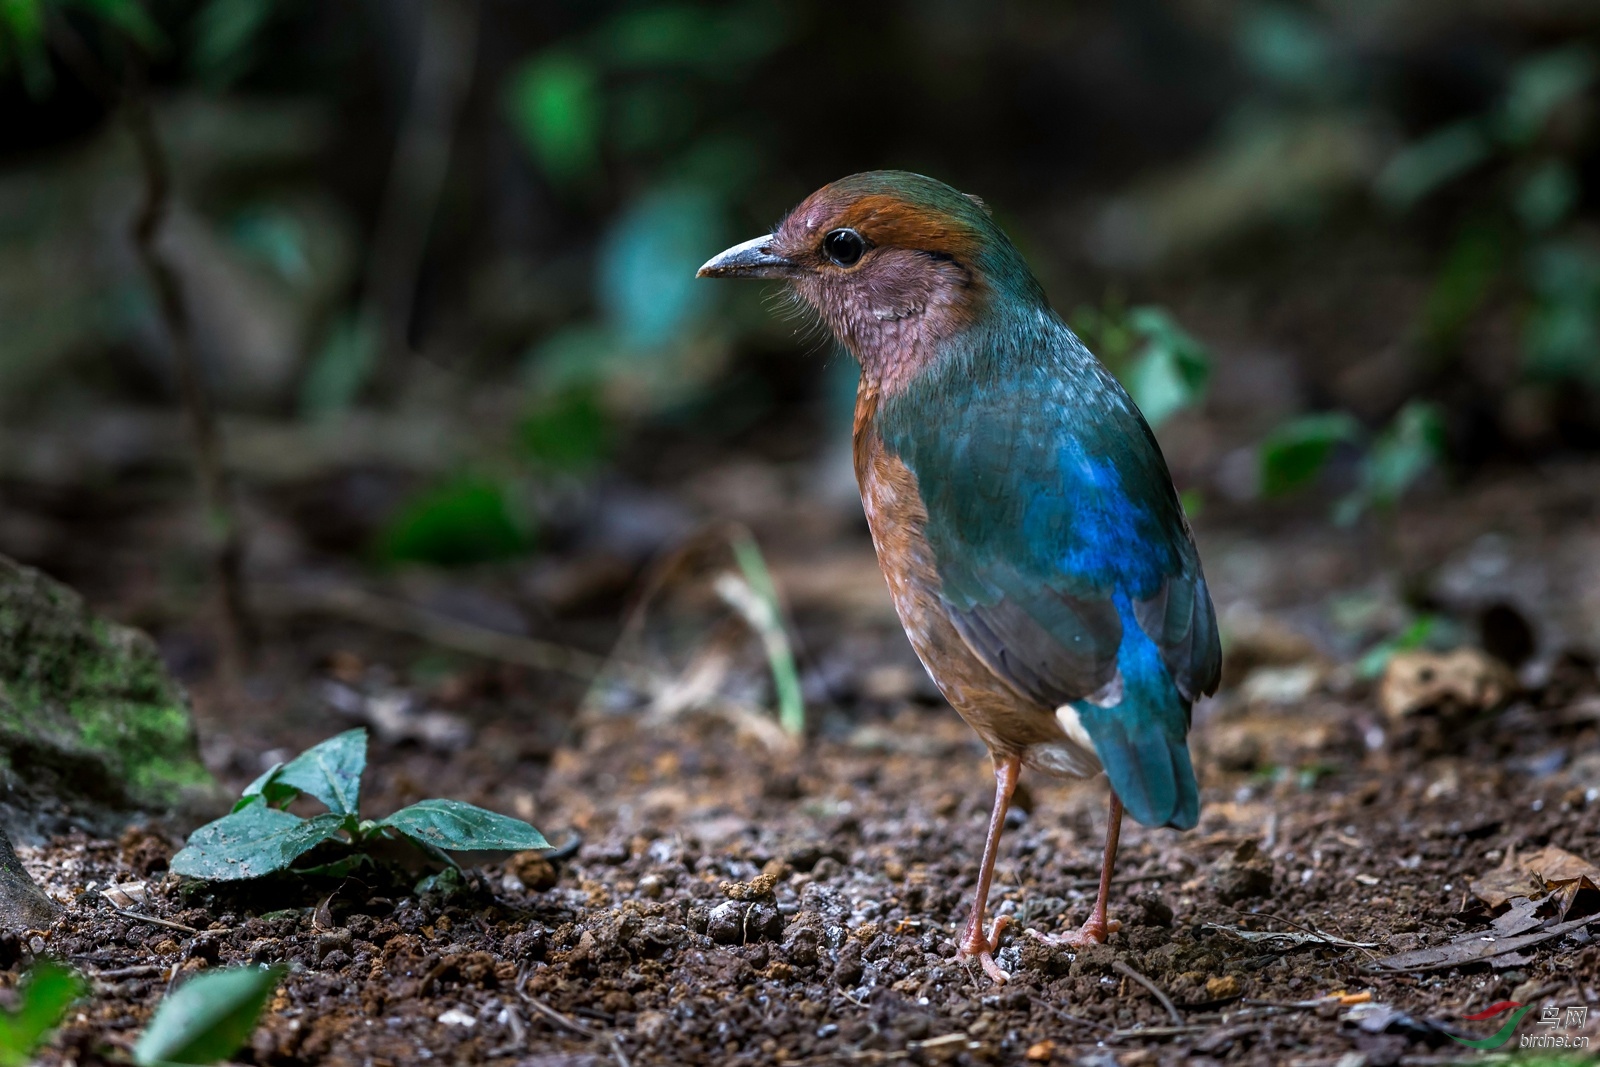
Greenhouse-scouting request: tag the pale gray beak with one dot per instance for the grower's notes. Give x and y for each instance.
(752, 259)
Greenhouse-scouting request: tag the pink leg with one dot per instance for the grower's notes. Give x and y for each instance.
(973, 941)
(1098, 927)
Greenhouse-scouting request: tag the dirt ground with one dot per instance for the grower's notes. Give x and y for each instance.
(731, 897)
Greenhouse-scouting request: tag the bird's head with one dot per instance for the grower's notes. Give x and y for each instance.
(894, 263)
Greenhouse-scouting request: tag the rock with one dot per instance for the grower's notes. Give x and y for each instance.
(23, 905)
(725, 924)
(1225, 987)
(1241, 875)
(92, 728)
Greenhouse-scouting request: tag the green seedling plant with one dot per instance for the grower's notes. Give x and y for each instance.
(45, 996)
(208, 1018)
(259, 837)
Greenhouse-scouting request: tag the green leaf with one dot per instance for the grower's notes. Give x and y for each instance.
(1561, 338)
(569, 431)
(554, 104)
(208, 1018)
(768, 622)
(269, 788)
(1410, 446)
(251, 842)
(1375, 659)
(1542, 84)
(22, 40)
(341, 368)
(1173, 371)
(1548, 195)
(225, 33)
(1436, 159)
(465, 521)
(1469, 269)
(456, 827)
(1294, 454)
(46, 994)
(330, 771)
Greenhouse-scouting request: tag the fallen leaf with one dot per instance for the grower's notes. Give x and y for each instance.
(1451, 682)
(1290, 939)
(1475, 947)
(1533, 874)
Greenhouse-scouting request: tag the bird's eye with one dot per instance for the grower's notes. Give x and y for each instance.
(844, 247)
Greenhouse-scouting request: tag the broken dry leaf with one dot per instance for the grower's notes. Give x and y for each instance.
(1534, 874)
(1290, 939)
(1451, 682)
(1476, 947)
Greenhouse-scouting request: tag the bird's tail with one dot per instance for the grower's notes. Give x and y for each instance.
(1142, 740)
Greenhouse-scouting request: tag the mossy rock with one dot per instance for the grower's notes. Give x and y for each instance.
(92, 727)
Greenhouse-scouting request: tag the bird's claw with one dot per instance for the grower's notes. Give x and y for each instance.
(975, 945)
(1093, 932)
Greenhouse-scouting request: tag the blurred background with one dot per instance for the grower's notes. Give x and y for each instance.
(409, 285)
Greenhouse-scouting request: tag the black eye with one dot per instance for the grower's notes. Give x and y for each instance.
(844, 247)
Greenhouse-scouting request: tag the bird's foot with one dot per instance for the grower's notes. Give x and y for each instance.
(975, 946)
(1093, 932)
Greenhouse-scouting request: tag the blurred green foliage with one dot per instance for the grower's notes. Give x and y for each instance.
(470, 519)
(46, 993)
(1295, 455)
(224, 39)
(24, 29)
(567, 431)
(207, 1018)
(1163, 368)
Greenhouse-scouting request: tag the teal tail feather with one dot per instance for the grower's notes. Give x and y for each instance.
(1142, 741)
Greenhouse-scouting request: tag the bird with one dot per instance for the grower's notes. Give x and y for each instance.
(1023, 515)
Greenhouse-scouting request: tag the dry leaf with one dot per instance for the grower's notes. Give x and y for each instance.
(1451, 682)
(1533, 874)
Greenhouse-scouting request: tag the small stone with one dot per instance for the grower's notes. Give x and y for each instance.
(725, 923)
(651, 886)
(758, 888)
(457, 1017)
(1041, 1051)
(1226, 987)
(763, 922)
(533, 870)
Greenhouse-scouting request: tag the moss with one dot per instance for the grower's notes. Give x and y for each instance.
(79, 691)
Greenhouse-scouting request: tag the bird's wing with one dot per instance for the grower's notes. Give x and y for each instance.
(1053, 522)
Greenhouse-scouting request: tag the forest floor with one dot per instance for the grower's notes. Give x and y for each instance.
(736, 897)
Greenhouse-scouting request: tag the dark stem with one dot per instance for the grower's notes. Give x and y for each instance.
(222, 519)
(447, 46)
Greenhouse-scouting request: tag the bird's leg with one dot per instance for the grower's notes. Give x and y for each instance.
(1098, 927)
(973, 941)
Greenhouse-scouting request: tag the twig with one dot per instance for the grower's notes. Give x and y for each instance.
(168, 923)
(138, 970)
(1064, 1017)
(216, 494)
(571, 1025)
(383, 613)
(1155, 990)
(1157, 1031)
